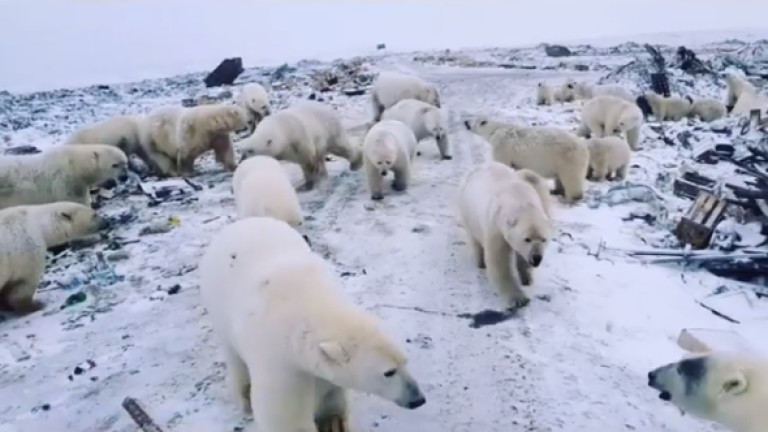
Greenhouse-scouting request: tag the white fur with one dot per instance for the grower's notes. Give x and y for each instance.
(589, 91)
(668, 108)
(505, 214)
(708, 110)
(262, 188)
(292, 342)
(27, 232)
(738, 86)
(550, 152)
(392, 87)
(158, 135)
(64, 173)
(609, 115)
(254, 99)
(566, 92)
(609, 156)
(388, 145)
(303, 134)
(120, 131)
(424, 120)
(544, 94)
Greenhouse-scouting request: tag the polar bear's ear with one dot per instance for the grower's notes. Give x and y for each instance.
(735, 384)
(333, 352)
(96, 156)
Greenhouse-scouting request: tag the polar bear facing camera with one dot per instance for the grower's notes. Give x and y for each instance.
(388, 145)
(424, 120)
(64, 173)
(506, 216)
(550, 152)
(723, 387)
(27, 233)
(609, 158)
(610, 115)
(566, 92)
(262, 188)
(670, 108)
(708, 110)
(392, 87)
(303, 133)
(263, 287)
(544, 94)
(254, 99)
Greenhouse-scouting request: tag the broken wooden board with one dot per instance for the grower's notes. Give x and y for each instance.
(700, 340)
(697, 226)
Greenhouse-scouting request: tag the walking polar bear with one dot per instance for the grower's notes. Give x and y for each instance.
(388, 145)
(392, 87)
(424, 120)
(293, 343)
(176, 136)
(507, 218)
(27, 232)
(254, 99)
(303, 134)
(262, 188)
(723, 387)
(64, 173)
(670, 108)
(608, 158)
(708, 110)
(609, 115)
(550, 152)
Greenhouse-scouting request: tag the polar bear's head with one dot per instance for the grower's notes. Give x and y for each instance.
(433, 122)
(482, 125)
(95, 163)
(367, 361)
(63, 221)
(430, 95)
(383, 154)
(525, 226)
(631, 117)
(269, 139)
(727, 388)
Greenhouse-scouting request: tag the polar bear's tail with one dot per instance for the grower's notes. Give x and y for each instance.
(539, 185)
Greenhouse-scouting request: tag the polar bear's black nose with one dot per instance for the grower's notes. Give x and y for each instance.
(467, 125)
(536, 260)
(651, 378)
(417, 403)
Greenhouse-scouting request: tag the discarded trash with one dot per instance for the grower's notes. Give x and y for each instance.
(168, 190)
(74, 299)
(82, 368)
(159, 227)
(696, 227)
(627, 192)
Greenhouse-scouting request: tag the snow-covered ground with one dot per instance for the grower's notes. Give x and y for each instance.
(576, 359)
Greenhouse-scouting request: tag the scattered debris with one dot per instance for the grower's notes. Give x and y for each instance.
(225, 73)
(697, 226)
(21, 150)
(139, 416)
(381, 46)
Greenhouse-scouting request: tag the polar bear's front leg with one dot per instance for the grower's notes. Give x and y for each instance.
(237, 376)
(633, 137)
(524, 270)
(402, 177)
(282, 398)
(443, 147)
(375, 181)
(497, 261)
(331, 413)
(477, 252)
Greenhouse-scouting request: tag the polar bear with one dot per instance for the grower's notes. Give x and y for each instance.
(293, 343)
(738, 86)
(566, 92)
(587, 91)
(254, 99)
(64, 173)
(388, 145)
(27, 232)
(424, 120)
(392, 87)
(708, 110)
(303, 133)
(159, 138)
(749, 101)
(670, 108)
(121, 131)
(550, 152)
(262, 188)
(608, 158)
(506, 216)
(723, 387)
(544, 94)
(608, 115)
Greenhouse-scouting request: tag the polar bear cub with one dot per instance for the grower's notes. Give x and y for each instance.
(388, 145)
(550, 152)
(254, 99)
(392, 87)
(303, 133)
(544, 94)
(27, 232)
(670, 108)
(64, 173)
(424, 120)
(724, 387)
(262, 188)
(506, 216)
(708, 110)
(610, 115)
(293, 343)
(609, 158)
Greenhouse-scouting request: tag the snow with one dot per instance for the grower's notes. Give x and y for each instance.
(575, 359)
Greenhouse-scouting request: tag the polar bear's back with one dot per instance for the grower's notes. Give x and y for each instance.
(394, 130)
(415, 113)
(613, 90)
(476, 193)
(540, 149)
(160, 125)
(262, 188)
(111, 131)
(318, 117)
(391, 87)
(38, 178)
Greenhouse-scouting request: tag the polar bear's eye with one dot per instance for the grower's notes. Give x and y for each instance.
(483, 122)
(66, 216)
(527, 240)
(390, 373)
(269, 142)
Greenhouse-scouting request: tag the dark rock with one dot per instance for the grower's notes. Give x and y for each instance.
(557, 51)
(353, 91)
(381, 46)
(22, 150)
(581, 67)
(225, 73)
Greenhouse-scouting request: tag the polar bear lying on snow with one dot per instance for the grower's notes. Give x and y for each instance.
(610, 115)
(64, 173)
(388, 145)
(550, 152)
(392, 87)
(424, 120)
(293, 343)
(253, 98)
(27, 232)
(506, 215)
(303, 134)
(727, 388)
(262, 188)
